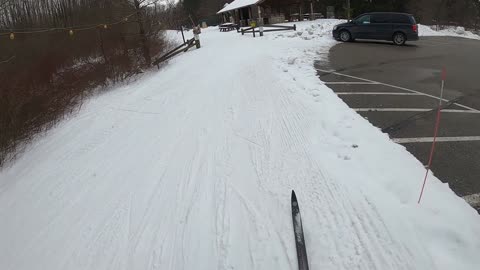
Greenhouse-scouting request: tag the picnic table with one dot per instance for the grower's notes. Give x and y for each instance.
(227, 27)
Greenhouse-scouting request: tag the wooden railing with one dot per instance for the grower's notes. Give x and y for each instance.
(268, 28)
(179, 49)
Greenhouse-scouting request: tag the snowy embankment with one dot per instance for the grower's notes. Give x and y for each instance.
(425, 30)
(192, 168)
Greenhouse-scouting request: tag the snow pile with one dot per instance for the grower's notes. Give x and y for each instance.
(317, 30)
(454, 31)
(460, 30)
(193, 167)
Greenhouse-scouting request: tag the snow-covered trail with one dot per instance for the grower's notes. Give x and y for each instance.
(192, 168)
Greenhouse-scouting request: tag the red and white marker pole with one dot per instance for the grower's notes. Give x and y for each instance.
(435, 134)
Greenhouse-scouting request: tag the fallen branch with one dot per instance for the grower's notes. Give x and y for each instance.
(8, 60)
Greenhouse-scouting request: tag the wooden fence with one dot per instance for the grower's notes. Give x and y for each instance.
(179, 49)
(267, 28)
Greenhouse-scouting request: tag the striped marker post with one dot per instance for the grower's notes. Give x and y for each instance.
(435, 133)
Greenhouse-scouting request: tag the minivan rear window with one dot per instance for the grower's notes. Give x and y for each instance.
(412, 19)
(401, 18)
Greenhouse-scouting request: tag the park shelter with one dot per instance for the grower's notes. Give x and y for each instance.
(243, 12)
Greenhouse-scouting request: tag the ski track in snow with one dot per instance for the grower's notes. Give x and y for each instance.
(192, 168)
(292, 121)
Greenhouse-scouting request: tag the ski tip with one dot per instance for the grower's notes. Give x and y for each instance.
(294, 197)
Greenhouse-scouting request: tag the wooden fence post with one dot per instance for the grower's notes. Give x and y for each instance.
(183, 37)
(260, 20)
(196, 33)
(197, 41)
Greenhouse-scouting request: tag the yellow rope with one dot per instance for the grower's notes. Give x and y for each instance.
(69, 29)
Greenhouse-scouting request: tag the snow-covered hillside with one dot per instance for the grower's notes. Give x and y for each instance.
(192, 168)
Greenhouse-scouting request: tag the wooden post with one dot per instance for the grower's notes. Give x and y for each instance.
(197, 41)
(311, 11)
(196, 35)
(260, 20)
(183, 37)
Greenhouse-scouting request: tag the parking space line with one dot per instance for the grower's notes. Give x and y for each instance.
(410, 110)
(399, 87)
(362, 83)
(473, 200)
(379, 93)
(439, 139)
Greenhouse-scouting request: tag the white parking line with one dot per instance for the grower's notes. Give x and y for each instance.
(399, 87)
(473, 200)
(439, 139)
(363, 83)
(379, 93)
(410, 110)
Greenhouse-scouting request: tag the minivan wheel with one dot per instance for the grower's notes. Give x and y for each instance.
(345, 36)
(399, 39)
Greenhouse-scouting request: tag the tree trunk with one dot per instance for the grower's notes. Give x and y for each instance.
(102, 48)
(145, 48)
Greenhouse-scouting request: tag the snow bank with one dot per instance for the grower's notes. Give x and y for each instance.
(192, 168)
(454, 31)
(237, 4)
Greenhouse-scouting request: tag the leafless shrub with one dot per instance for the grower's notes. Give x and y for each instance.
(46, 74)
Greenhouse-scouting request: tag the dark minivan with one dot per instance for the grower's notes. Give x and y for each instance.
(396, 27)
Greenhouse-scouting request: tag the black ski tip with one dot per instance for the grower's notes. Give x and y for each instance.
(294, 197)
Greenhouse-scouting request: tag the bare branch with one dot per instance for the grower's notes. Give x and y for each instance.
(5, 3)
(8, 60)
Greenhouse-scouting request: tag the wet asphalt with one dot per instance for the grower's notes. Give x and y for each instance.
(403, 71)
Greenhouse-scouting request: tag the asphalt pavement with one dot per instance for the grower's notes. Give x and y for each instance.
(397, 89)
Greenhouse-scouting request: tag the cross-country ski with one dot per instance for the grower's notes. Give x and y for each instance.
(298, 233)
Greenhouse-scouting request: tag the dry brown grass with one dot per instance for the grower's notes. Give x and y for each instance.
(47, 77)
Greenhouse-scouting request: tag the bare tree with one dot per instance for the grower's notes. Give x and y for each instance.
(140, 20)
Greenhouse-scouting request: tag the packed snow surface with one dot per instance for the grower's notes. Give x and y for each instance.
(193, 167)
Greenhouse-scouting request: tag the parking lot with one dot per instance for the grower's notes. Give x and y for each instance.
(397, 89)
